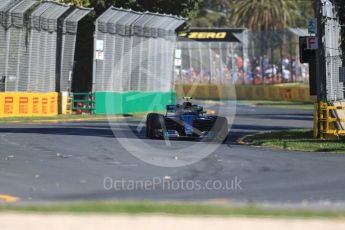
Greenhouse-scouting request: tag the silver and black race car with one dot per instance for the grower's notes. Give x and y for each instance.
(186, 121)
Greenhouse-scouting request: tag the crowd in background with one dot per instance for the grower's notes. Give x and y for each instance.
(256, 70)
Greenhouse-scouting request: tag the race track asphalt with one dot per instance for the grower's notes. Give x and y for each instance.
(85, 161)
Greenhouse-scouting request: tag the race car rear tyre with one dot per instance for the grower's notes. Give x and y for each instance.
(221, 128)
(153, 122)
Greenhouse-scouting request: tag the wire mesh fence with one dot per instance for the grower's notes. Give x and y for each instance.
(43, 44)
(332, 51)
(254, 58)
(32, 46)
(209, 63)
(134, 51)
(68, 47)
(5, 7)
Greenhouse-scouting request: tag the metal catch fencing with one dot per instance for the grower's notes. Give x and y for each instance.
(134, 51)
(5, 36)
(35, 53)
(42, 47)
(68, 46)
(332, 51)
(246, 58)
(209, 63)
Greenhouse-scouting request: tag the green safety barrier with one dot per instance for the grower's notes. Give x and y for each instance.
(132, 102)
(84, 102)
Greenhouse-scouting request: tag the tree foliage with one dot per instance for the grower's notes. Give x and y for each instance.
(264, 15)
(255, 14)
(213, 13)
(76, 2)
(185, 8)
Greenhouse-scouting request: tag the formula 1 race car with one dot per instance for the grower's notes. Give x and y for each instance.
(186, 121)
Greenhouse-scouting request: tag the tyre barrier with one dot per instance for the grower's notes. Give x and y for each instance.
(28, 104)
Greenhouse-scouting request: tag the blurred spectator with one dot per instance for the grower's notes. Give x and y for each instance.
(259, 70)
(239, 62)
(264, 62)
(285, 63)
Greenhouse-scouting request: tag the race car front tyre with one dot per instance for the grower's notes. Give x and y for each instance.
(153, 123)
(221, 128)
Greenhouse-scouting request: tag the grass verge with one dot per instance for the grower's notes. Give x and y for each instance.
(296, 139)
(64, 118)
(279, 104)
(59, 117)
(134, 208)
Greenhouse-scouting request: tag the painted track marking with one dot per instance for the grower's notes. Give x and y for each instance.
(8, 198)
